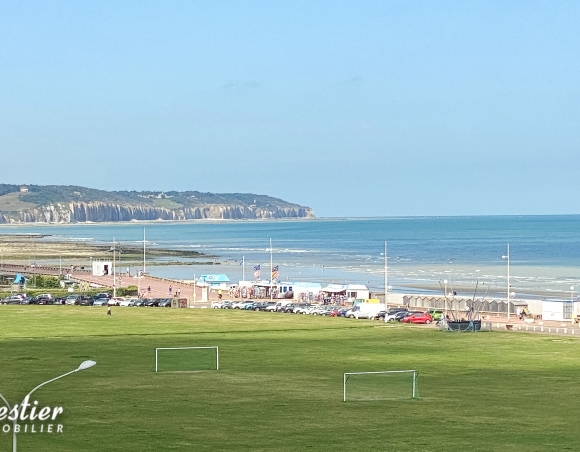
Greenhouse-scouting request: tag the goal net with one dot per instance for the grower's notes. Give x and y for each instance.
(186, 359)
(385, 385)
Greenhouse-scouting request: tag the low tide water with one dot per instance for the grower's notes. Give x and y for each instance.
(422, 251)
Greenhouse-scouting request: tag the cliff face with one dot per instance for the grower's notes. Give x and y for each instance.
(75, 212)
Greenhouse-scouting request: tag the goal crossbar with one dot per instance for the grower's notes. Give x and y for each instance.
(217, 354)
(410, 371)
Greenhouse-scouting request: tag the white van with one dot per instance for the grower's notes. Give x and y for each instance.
(365, 310)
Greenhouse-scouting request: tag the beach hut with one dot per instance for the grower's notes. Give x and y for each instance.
(559, 310)
(102, 268)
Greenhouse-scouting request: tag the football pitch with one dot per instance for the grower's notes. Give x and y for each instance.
(280, 383)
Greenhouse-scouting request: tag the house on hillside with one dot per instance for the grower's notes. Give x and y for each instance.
(23, 189)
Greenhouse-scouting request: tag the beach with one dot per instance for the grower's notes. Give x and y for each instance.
(422, 252)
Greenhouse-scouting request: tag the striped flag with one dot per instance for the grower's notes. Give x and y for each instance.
(257, 272)
(275, 273)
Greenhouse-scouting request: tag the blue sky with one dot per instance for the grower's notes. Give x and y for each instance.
(353, 108)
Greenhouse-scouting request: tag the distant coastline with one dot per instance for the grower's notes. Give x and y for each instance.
(56, 204)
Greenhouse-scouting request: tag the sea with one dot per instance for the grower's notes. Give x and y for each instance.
(422, 252)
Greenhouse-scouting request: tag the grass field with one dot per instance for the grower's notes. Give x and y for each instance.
(279, 387)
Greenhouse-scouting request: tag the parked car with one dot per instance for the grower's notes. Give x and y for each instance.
(274, 307)
(436, 314)
(60, 300)
(116, 301)
(227, 305)
(418, 317)
(261, 305)
(139, 302)
(103, 295)
(165, 303)
(71, 299)
(301, 308)
(127, 302)
(240, 304)
(397, 316)
(85, 301)
(101, 302)
(45, 298)
(364, 311)
(289, 308)
(152, 302)
(216, 304)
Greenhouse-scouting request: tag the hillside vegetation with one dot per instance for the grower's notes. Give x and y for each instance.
(67, 203)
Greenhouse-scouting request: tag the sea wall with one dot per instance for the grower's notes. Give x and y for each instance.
(80, 212)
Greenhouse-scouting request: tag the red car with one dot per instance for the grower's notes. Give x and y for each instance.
(418, 317)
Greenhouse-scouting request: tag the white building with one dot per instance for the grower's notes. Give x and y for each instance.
(102, 268)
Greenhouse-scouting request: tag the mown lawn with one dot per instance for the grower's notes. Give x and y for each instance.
(279, 386)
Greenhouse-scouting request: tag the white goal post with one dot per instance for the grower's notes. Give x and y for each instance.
(214, 347)
(412, 373)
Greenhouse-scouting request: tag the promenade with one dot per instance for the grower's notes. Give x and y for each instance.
(159, 286)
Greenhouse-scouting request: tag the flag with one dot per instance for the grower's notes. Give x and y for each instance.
(275, 273)
(242, 261)
(257, 272)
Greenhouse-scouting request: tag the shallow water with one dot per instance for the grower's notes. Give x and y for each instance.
(545, 250)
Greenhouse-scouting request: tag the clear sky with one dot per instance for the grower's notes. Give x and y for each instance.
(354, 108)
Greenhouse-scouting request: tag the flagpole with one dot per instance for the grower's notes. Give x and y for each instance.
(243, 268)
(114, 271)
(386, 277)
(271, 268)
(144, 269)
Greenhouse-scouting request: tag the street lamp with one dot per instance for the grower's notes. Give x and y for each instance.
(572, 303)
(84, 365)
(507, 257)
(445, 299)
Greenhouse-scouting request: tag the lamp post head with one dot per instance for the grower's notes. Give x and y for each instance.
(445, 282)
(571, 287)
(86, 364)
(504, 257)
